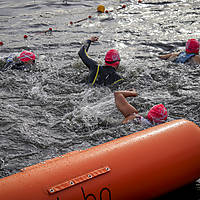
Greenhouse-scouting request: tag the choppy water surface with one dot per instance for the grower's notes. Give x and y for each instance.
(50, 110)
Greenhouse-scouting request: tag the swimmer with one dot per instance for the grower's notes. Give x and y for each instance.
(101, 75)
(156, 115)
(21, 62)
(190, 55)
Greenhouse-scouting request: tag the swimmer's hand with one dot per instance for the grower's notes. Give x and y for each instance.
(134, 91)
(94, 38)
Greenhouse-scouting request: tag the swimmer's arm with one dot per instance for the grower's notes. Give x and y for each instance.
(169, 56)
(127, 119)
(90, 63)
(126, 93)
(89, 41)
(122, 104)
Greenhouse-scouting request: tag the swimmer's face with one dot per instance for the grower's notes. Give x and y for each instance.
(116, 67)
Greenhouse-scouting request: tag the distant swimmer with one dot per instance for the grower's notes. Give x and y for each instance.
(105, 75)
(190, 55)
(156, 115)
(21, 61)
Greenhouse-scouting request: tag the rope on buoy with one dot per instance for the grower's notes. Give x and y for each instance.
(122, 7)
(50, 30)
(101, 9)
(81, 20)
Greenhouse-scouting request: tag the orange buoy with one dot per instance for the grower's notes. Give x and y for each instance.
(101, 8)
(140, 166)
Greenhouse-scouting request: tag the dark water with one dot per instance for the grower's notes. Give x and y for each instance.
(50, 111)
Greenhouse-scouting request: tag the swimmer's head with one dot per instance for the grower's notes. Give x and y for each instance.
(157, 114)
(27, 56)
(112, 58)
(192, 46)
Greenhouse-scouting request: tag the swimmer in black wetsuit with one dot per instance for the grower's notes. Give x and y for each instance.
(21, 62)
(101, 75)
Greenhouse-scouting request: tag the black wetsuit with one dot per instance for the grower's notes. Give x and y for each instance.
(15, 65)
(99, 75)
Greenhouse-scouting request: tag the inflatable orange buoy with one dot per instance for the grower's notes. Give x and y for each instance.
(140, 166)
(101, 8)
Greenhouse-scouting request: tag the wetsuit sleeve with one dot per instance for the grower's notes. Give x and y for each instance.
(13, 65)
(117, 79)
(18, 65)
(7, 66)
(118, 82)
(90, 63)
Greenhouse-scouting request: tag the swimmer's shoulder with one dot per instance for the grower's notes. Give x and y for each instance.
(196, 59)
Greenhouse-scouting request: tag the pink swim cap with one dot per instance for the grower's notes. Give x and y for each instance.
(192, 46)
(112, 58)
(157, 114)
(26, 56)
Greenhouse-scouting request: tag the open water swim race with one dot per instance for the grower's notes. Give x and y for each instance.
(99, 99)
